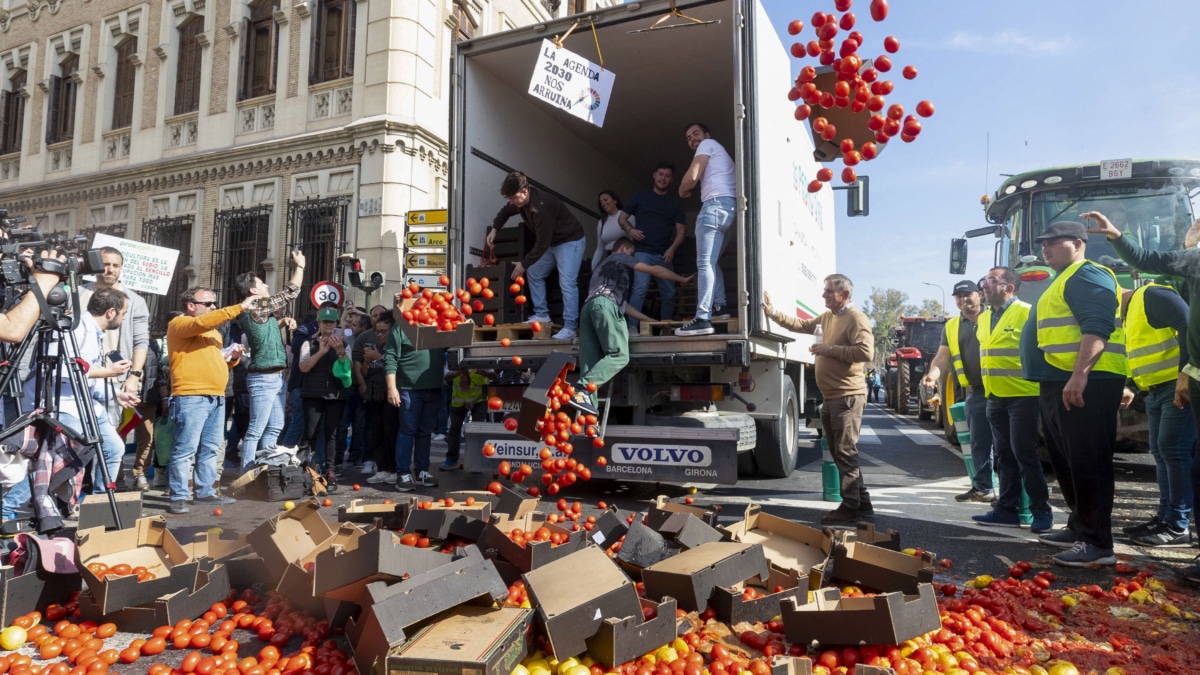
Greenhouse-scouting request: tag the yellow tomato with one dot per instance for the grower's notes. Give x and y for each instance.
(12, 638)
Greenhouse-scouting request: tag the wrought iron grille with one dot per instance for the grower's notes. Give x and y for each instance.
(169, 232)
(113, 229)
(318, 228)
(240, 238)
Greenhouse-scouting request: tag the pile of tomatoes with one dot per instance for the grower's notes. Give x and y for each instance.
(859, 86)
(437, 308)
(103, 571)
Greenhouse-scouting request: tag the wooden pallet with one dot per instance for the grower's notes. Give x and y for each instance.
(513, 331)
(651, 328)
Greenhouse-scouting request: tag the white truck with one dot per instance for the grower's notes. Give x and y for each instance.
(698, 409)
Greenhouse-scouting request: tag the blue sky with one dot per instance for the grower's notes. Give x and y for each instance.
(1064, 82)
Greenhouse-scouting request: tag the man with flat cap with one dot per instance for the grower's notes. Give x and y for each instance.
(1073, 345)
(959, 350)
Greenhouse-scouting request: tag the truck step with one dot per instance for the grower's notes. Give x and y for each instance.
(652, 328)
(514, 331)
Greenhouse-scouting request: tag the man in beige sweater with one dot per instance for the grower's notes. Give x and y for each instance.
(846, 344)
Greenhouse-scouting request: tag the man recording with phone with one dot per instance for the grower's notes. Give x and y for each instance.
(267, 366)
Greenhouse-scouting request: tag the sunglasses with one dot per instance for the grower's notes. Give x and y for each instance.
(210, 304)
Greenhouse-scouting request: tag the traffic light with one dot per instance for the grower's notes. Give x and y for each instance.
(356, 270)
(858, 202)
(377, 280)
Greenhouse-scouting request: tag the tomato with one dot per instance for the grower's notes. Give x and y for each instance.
(153, 646)
(879, 9)
(849, 175)
(882, 64)
(825, 175)
(847, 21)
(910, 72)
(829, 659)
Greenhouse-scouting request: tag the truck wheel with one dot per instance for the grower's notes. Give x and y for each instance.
(778, 440)
(747, 434)
(903, 388)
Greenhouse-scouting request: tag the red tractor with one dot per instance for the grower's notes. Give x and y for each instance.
(916, 341)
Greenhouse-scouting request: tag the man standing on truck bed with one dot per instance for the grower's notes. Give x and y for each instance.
(656, 236)
(1074, 346)
(604, 336)
(847, 343)
(560, 244)
(960, 350)
(712, 169)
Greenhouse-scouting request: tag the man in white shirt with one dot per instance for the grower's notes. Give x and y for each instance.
(712, 169)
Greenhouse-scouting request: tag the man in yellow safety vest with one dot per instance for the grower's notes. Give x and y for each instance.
(1074, 346)
(1012, 406)
(959, 350)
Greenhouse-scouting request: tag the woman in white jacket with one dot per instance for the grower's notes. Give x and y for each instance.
(608, 230)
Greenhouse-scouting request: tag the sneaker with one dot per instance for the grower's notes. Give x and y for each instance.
(448, 466)
(1064, 538)
(974, 495)
(696, 326)
(582, 402)
(405, 483)
(720, 312)
(539, 319)
(178, 508)
(842, 515)
(1141, 528)
(214, 500)
(1042, 522)
(440, 438)
(382, 477)
(865, 509)
(160, 478)
(998, 518)
(426, 479)
(140, 483)
(1083, 554)
(1163, 535)
(369, 468)
(565, 334)
(1191, 572)
(331, 481)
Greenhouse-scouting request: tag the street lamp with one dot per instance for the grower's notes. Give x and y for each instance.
(927, 283)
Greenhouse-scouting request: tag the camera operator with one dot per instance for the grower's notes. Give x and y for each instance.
(17, 322)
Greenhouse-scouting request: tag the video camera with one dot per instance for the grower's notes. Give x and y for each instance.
(15, 237)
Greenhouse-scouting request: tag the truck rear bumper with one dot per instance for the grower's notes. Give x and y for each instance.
(644, 353)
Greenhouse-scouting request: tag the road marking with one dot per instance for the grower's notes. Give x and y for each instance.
(868, 436)
(921, 436)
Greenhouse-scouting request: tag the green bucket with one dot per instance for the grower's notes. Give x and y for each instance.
(831, 479)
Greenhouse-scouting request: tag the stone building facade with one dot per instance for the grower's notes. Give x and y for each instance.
(232, 130)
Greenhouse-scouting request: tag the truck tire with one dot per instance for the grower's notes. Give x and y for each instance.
(747, 434)
(778, 439)
(903, 388)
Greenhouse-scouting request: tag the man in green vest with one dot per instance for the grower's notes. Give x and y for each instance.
(1073, 345)
(267, 367)
(960, 350)
(1012, 406)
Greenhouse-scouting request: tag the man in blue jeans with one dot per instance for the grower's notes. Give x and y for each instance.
(711, 169)
(268, 357)
(657, 235)
(559, 245)
(414, 385)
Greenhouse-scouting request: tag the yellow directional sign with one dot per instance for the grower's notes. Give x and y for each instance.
(425, 261)
(433, 217)
(427, 238)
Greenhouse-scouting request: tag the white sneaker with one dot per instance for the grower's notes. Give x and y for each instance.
(540, 319)
(425, 479)
(439, 437)
(382, 477)
(368, 468)
(565, 334)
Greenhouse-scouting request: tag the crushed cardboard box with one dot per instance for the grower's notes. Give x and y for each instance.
(344, 568)
(390, 516)
(512, 501)
(624, 639)
(442, 522)
(886, 619)
(788, 545)
(693, 575)
(533, 554)
(664, 508)
(536, 398)
(880, 569)
(289, 536)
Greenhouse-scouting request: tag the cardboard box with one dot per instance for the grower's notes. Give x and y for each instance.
(512, 502)
(575, 594)
(476, 640)
(298, 581)
(390, 516)
(643, 547)
(440, 522)
(788, 545)
(791, 665)
(625, 639)
(35, 589)
(867, 534)
(664, 508)
(537, 394)
(289, 536)
(887, 619)
(212, 546)
(96, 511)
(206, 589)
(610, 527)
(691, 576)
(147, 544)
(429, 337)
(389, 611)
(533, 554)
(732, 609)
(344, 568)
(881, 570)
(688, 531)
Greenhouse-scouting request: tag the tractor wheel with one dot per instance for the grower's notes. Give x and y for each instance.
(903, 388)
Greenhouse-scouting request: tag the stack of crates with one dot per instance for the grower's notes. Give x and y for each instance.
(511, 245)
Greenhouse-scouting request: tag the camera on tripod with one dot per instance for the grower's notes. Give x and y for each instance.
(17, 237)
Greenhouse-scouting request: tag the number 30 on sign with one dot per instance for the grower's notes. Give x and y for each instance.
(326, 291)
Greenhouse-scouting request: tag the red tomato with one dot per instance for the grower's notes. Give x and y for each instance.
(882, 64)
(814, 186)
(925, 109)
(849, 175)
(825, 175)
(879, 9)
(847, 21)
(910, 72)
(795, 27)
(495, 403)
(443, 280)
(536, 326)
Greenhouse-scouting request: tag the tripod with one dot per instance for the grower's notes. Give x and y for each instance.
(56, 359)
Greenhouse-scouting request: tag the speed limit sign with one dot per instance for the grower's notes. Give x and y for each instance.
(326, 291)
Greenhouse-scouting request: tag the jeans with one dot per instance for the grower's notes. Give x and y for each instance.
(841, 420)
(1172, 434)
(566, 258)
(641, 284)
(1014, 425)
(458, 416)
(266, 415)
(293, 429)
(418, 417)
(712, 224)
(16, 497)
(352, 428)
(322, 415)
(112, 447)
(981, 439)
(199, 427)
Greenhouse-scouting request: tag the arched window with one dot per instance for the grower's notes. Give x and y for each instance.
(123, 88)
(187, 72)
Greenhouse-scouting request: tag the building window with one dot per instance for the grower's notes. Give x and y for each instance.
(259, 60)
(465, 26)
(332, 55)
(12, 114)
(187, 74)
(62, 102)
(576, 6)
(123, 90)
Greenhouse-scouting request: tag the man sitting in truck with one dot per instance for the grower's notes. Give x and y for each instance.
(559, 245)
(603, 335)
(712, 169)
(657, 235)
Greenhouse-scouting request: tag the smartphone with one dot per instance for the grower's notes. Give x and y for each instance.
(346, 332)
(115, 356)
(263, 303)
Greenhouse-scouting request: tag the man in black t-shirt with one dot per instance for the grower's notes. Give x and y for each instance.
(603, 334)
(656, 237)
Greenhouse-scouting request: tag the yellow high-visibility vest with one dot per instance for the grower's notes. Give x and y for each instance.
(1058, 333)
(1000, 353)
(956, 360)
(1153, 352)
